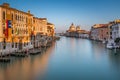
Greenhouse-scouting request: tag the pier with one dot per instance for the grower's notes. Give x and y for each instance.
(39, 49)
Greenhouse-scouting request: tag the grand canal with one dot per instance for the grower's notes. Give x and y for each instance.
(66, 59)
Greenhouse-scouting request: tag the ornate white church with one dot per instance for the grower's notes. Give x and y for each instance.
(76, 32)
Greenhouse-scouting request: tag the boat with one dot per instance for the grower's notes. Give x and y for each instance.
(110, 46)
(103, 42)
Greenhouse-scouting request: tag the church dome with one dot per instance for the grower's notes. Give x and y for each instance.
(72, 27)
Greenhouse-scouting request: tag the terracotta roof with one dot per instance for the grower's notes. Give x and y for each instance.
(100, 26)
(40, 18)
(49, 24)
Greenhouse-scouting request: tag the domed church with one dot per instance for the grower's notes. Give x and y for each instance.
(72, 27)
(76, 32)
(71, 32)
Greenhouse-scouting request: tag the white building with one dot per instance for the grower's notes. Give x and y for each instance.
(114, 33)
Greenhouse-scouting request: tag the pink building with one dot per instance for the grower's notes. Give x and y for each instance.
(100, 32)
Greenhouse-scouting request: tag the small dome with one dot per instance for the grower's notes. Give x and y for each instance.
(78, 28)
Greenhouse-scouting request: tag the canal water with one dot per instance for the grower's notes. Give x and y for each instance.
(66, 59)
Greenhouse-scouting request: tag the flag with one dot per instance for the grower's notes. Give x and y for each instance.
(8, 25)
(6, 31)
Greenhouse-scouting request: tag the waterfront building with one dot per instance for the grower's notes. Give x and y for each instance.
(82, 34)
(114, 33)
(100, 32)
(15, 28)
(37, 26)
(71, 32)
(115, 30)
(50, 29)
(19, 29)
(104, 33)
(41, 28)
(44, 25)
(94, 33)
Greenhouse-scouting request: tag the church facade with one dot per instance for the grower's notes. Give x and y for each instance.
(77, 32)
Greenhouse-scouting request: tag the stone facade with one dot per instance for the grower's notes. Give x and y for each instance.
(18, 27)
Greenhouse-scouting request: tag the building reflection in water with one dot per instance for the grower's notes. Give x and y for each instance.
(26, 68)
(114, 58)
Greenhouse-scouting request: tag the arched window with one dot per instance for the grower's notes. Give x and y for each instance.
(16, 16)
(26, 19)
(3, 14)
(12, 16)
(12, 31)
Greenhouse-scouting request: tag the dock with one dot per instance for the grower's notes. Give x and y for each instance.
(39, 49)
(4, 59)
(35, 51)
(20, 54)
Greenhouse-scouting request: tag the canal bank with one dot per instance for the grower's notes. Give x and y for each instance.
(67, 59)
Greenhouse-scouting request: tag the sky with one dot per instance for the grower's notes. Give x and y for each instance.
(62, 13)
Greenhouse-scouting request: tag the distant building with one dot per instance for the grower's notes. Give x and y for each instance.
(76, 32)
(82, 34)
(72, 31)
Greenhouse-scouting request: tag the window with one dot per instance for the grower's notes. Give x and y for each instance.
(12, 31)
(12, 17)
(4, 47)
(3, 14)
(110, 37)
(16, 16)
(12, 45)
(110, 33)
(116, 28)
(24, 44)
(22, 18)
(15, 45)
(106, 32)
(26, 19)
(27, 43)
(4, 44)
(110, 27)
(3, 30)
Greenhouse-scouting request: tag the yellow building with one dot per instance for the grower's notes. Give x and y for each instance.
(18, 27)
(44, 25)
(39, 26)
(50, 29)
(15, 27)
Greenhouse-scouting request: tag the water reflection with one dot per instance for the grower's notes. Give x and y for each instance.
(114, 57)
(67, 59)
(26, 68)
